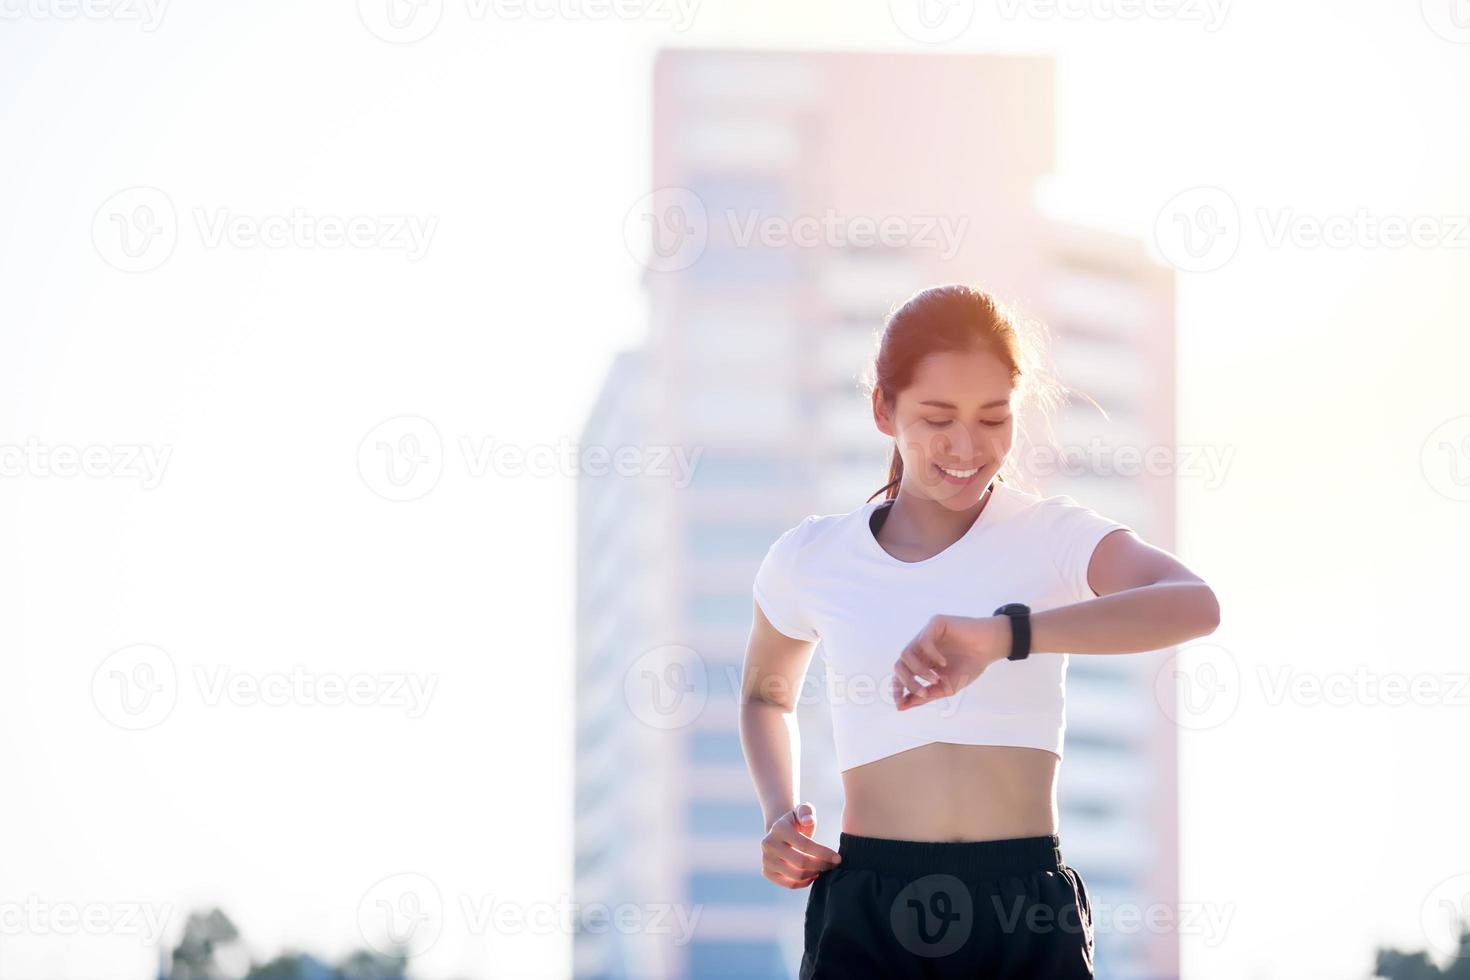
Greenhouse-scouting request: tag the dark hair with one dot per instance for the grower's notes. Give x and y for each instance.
(958, 317)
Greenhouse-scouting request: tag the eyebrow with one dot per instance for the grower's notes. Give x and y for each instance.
(994, 404)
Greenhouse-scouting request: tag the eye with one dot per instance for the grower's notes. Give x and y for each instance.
(995, 424)
(938, 423)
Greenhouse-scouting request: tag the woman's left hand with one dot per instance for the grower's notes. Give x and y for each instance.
(949, 653)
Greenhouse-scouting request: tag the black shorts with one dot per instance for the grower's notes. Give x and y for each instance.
(992, 909)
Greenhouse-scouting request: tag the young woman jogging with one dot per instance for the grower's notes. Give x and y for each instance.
(946, 611)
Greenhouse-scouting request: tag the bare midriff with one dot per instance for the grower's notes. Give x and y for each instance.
(944, 791)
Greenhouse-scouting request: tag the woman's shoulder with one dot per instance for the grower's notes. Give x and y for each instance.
(1043, 507)
(813, 529)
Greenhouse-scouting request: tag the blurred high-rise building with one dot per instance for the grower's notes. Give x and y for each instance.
(798, 198)
(1110, 310)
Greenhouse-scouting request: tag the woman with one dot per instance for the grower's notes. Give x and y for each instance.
(946, 612)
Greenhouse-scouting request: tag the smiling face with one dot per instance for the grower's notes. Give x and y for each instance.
(953, 425)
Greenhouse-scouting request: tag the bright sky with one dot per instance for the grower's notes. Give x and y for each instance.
(1324, 828)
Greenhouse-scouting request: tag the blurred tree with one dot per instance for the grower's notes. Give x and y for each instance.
(211, 949)
(1396, 965)
(208, 948)
(359, 965)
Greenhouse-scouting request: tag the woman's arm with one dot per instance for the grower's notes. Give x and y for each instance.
(775, 666)
(1147, 600)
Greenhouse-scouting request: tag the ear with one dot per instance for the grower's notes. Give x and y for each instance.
(880, 413)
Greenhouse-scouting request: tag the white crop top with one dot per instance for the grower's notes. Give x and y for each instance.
(827, 579)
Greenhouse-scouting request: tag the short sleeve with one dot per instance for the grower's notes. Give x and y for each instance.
(1075, 533)
(778, 589)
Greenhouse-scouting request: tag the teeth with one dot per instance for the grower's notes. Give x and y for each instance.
(960, 474)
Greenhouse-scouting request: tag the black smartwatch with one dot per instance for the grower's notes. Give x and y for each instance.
(1020, 616)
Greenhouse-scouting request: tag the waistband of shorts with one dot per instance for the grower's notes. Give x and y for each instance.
(965, 859)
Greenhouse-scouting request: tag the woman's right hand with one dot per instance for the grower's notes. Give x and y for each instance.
(789, 855)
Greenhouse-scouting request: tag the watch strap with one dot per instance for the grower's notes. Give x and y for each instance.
(1020, 616)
